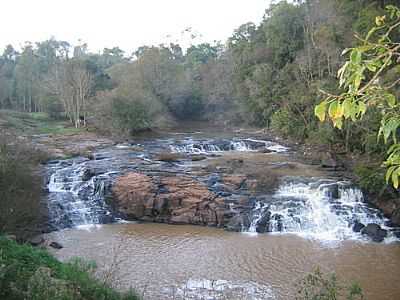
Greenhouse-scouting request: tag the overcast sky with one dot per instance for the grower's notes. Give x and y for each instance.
(124, 23)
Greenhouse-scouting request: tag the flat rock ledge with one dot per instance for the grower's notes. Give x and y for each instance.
(167, 199)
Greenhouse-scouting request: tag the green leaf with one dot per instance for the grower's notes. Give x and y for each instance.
(355, 56)
(338, 123)
(389, 173)
(362, 107)
(347, 108)
(395, 177)
(391, 100)
(320, 109)
(335, 110)
(371, 66)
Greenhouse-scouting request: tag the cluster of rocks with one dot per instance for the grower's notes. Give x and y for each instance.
(373, 231)
(168, 199)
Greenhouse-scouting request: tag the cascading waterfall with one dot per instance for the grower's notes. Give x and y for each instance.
(76, 197)
(323, 209)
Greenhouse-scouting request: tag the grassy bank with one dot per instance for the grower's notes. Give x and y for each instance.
(30, 273)
(34, 123)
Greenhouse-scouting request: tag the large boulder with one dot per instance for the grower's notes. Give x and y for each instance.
(174, 200)
(375, 232)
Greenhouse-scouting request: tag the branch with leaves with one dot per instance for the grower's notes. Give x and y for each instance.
(361, 79)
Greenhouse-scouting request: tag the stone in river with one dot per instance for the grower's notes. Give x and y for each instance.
(358, 226)
(375, 232)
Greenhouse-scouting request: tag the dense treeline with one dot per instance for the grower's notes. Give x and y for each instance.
(268, 75)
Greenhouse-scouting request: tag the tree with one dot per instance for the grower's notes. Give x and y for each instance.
(370, 81)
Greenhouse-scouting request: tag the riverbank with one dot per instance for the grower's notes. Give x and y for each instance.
(32, 273)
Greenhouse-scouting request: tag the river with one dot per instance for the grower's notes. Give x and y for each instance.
(307, 216)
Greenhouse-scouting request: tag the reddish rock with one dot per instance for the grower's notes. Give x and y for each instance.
(234, 181)
(175, 200)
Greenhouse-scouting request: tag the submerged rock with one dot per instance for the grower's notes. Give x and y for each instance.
(375, 232)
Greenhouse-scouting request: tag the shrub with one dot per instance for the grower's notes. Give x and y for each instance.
(319, 286)
(287, 124)
(29, 273)
(20, 187)
(130, 116)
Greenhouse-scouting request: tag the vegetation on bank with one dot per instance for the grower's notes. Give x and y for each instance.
(24, 123)
(21, 209)
(32, 273)
(360, 76)
(319, 286)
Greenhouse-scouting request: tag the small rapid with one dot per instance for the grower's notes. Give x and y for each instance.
(216, 146)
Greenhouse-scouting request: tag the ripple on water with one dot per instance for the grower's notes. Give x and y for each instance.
(162, 258)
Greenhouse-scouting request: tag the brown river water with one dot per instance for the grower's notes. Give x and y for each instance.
(190, 262)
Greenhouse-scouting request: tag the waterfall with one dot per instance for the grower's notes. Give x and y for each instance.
(76, 196)
(323, 209)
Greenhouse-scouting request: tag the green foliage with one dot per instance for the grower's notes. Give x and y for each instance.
(319, 286)
(20, 187)
(360, 76)
(371, 179)
(130, 116)
(283, 122)
(29, 273)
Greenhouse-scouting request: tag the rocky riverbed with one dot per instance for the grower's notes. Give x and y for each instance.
(240, 182)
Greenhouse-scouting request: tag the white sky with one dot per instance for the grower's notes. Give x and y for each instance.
(124, 23)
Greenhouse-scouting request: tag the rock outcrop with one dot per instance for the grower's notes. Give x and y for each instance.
(174, 200)
(390, 208)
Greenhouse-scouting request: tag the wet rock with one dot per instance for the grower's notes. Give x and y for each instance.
(36, 241)
(88, 174)
(239, 222)
(198, 157)
(329, 161)
(169, 157)
(234, 182)
(263, 224)
(390, 208)
(175, 200)
(332, 189)
(265, 150)
(56, 245)
(358, 226)
(395, 218)
(375, 232)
